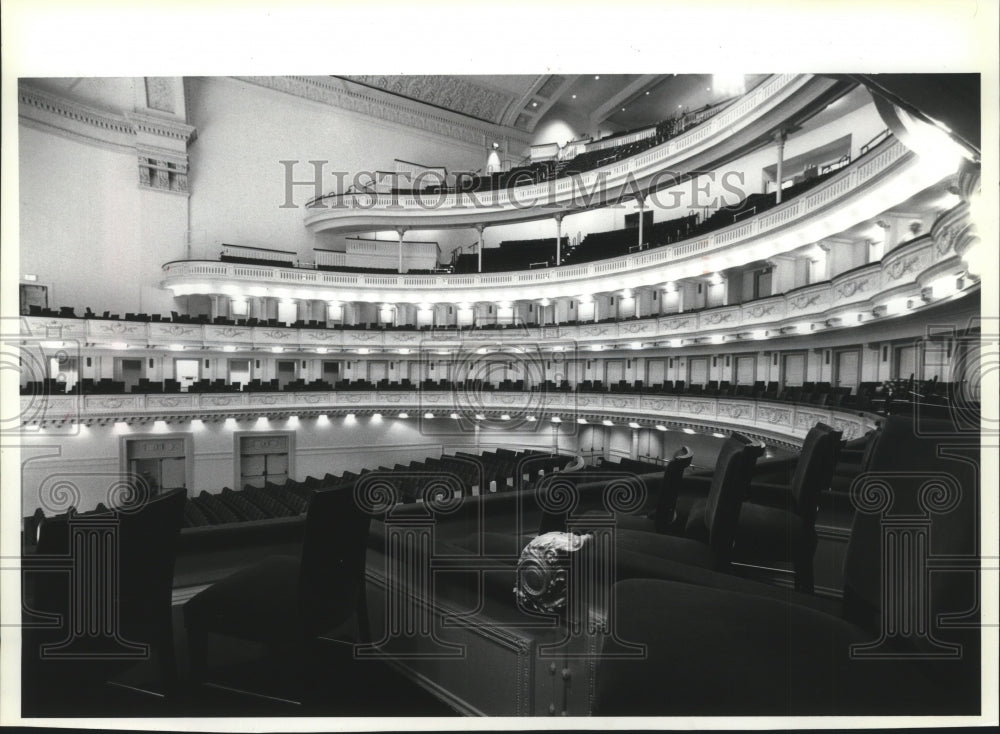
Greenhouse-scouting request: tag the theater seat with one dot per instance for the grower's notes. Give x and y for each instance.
(286, 602)
(778, 524)
(903, 642)
(104, 626)
(664, 513)
(730, 479)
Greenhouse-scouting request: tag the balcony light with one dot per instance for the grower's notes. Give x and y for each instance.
(633, 425)
(582, 421)
(404, 416)
(660, 427)
(606, 422)
(556, 419)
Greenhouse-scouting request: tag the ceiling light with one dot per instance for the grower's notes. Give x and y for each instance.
(428, 416)
(505, 417)
(454, 416)
(403, 415)
(480, 417)
(688, 430)
(660, 427)
(647, 93)
(531, 419)
(534, 104)
(633, 425)
(574, 96)
(582, 421)
(597, 76)
(607, 422)
(556, 419)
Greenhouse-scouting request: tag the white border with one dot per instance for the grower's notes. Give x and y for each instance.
(47, 38)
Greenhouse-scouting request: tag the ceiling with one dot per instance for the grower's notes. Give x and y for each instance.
(613, 102)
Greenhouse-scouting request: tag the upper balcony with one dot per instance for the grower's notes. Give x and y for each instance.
(889, 174)
(783, 100)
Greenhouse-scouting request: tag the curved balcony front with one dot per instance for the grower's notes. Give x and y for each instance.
(782, 422)
(915, 275)
(782, 100)
(866, 188)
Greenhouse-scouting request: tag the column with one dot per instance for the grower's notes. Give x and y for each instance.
(559, 218)
(479, 250)
(642, 206)
(400, 231)
(779, 138)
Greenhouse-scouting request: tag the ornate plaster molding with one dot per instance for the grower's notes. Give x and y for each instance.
(385, 106)
(160, 143)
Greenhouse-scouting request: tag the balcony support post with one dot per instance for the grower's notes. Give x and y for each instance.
(642, 206)
(479, 248)
(779, 138)
(559, 218)
(400, 231)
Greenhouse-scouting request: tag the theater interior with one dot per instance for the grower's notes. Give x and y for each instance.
(554, 394)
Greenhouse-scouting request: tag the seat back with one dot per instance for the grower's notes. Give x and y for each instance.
(148, 536)
(729, 487)
(331, 575)
(924, 475)
(146, 533)
(814, 469)
(673, 474)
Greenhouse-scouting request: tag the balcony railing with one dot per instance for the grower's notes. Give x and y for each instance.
(867, 187)
(709, 143)
(62, 414)
(901, 277)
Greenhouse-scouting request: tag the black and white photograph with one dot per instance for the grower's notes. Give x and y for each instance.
(630, 365)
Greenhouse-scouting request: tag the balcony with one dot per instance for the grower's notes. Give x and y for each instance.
(913, 276)
(864, 189)
(783, 422)
(783, 99)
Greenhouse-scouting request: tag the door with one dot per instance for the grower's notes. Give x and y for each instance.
(286, 372)
(745, 369)
(239, 372)
(614, 372)
(906, 363)
(187, 372)
(64, 369)
(378, 370)
(698, 371)
(128, 371)
(331, 371)
(793, 372)
(263, 459)
(655, 372)
(160, 464)
(848, 368)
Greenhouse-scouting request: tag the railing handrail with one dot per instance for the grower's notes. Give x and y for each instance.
(691, 133)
